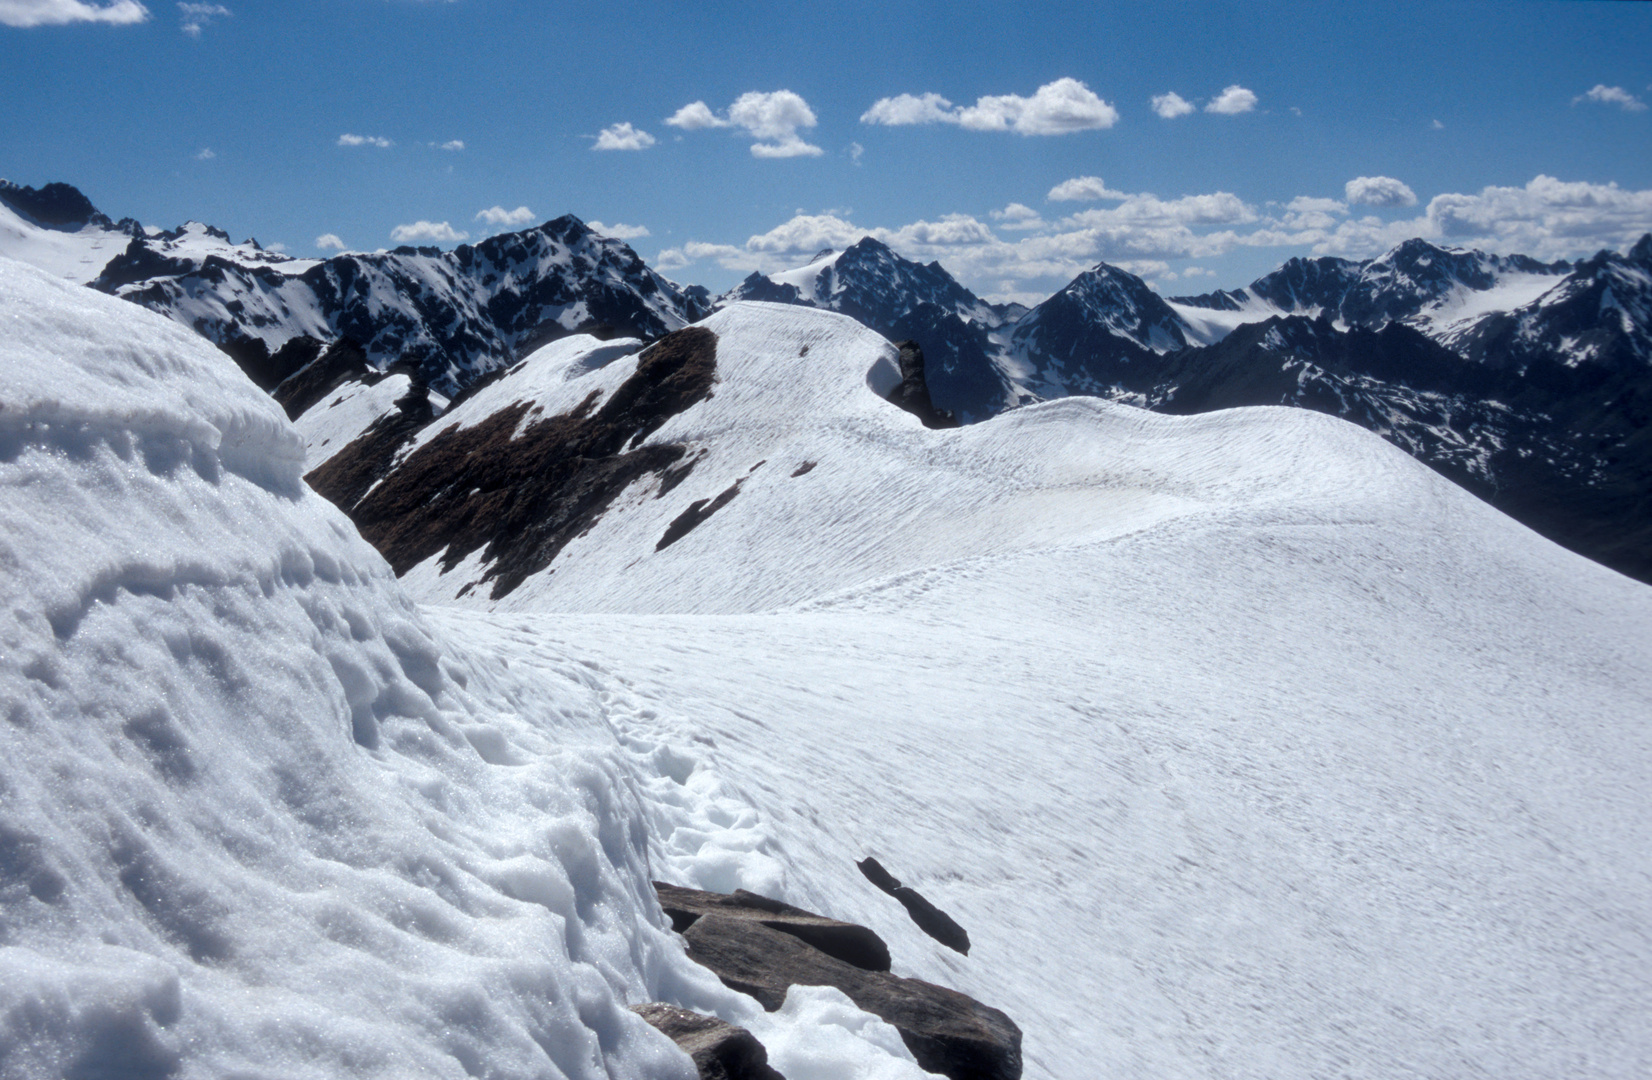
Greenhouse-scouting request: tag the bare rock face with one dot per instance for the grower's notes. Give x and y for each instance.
(753, 945)
(846, 942)
(720, 1050)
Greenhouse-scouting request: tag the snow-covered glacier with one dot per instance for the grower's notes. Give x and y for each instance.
(257, 816)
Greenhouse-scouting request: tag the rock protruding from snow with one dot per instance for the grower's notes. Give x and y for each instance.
(929, 918)
(948, 1032)
(852, 944)
(720, 1050)
(913, 392)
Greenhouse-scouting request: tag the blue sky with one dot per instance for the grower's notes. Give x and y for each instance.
(1472, 123)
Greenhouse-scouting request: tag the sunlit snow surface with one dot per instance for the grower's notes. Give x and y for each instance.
(257, 818)
(1242, 744)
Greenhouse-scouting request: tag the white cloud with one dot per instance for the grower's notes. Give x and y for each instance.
(206, 154)
(453, 144)
(438, 231)
(25, 13)
(695, 116)
(620, 232)
(1083, 189)
(365, 140)
(197, 17)
(329, 242)
(498, 215)
(1435, 125)
(1057, 108)
(855, 151)
(623, 137)
(278, 248)
(1232, 101)
(906, 109)
(1197, 271)
(1612, 95)
(1171, 105)
(771, 119)
(1548, 218)
(1378, 191)
(1017, 217)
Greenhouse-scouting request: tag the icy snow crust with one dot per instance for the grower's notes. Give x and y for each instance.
(256, 817)
(1243, 744)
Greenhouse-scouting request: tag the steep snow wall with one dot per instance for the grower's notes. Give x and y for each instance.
(256, 819)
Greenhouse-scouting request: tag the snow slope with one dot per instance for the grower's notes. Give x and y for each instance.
(257, 818)
(78, 255)
(1241, 743)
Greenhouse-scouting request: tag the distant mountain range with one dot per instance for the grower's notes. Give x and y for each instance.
(1529, 383)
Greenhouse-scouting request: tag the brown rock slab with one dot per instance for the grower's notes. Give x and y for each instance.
(720, 1050)
(948, 1032)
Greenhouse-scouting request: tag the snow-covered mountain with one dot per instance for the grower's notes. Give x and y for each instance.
(906, 300)
(1438, 290)
(1299, 742)
(454, 316)
(1310, 761)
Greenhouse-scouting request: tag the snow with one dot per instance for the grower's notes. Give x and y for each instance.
(1242, 744)
(1457, 312)
(258, 817)
(74, 256)
(1206, 326)
(340, 418)
(806, 278)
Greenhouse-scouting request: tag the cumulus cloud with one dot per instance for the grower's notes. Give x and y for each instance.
(329, 242)
(1612, 95)
(453, 144)
(1548, 218)
(1378, 191)
(1057, 108)
(438, 231)
(623, 137)
(26, 13)
(498, 215)
(621, 232)
(772, 120)
(1017, 217)
(1083, 189)
(1232, 101)
(193, 18)
(1171, 105)
(365, 140)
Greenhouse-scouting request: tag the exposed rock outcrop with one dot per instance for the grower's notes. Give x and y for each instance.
(754, 945)
(720, 1050)
(913, 392)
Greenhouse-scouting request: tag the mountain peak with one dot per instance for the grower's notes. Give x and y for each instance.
(53, 206)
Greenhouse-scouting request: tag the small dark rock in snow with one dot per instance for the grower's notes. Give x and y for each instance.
(720, 1050)
(930, 919)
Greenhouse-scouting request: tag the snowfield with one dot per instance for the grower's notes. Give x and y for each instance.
(1242, 744)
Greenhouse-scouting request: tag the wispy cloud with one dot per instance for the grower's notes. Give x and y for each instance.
(329, 242)
(1378, 191)
(771, 119)
(454, 145)
(1171, 105)
(365, 140)
(623, 137)
(1057, 108)
(1232, 101)
(1612, 95)
(205, 154)
(621, 232)
(498, 215)
(26, 13)
(437, 231)
(197, 17)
